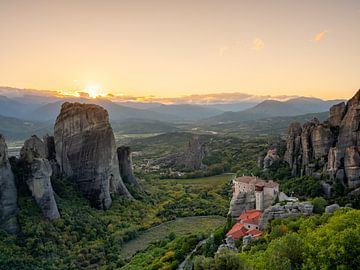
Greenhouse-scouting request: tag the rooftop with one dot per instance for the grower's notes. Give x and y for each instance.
(256, 181)
(250, 216)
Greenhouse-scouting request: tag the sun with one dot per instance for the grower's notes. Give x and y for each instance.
(93, 91)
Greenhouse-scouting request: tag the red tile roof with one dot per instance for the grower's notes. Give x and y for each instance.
(250, 216)
(237, 231)
(257, 181)
(254, 232)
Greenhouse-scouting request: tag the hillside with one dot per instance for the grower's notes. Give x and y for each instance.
(17, 129)
(274, 108)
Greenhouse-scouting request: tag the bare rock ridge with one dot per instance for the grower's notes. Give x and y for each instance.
(37, 172)
(86, 152)
(193, 157)
(329, 150)
(8, 192)
(126, 166)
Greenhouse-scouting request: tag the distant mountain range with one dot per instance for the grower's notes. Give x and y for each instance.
(273, 108)
(23, 115)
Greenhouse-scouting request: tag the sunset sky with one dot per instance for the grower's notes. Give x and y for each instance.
(169, 48)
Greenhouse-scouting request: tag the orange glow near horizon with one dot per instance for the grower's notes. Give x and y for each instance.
(170, 49)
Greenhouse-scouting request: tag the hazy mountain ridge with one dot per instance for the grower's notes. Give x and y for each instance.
(274, 108)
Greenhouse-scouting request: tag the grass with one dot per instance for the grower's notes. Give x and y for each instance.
(212, 180)
(180, 226)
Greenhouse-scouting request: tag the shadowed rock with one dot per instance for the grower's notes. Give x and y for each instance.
(37, 173)
(86, 151)
(8, 192)
(126, 166)
(330, 149)
(194, 155)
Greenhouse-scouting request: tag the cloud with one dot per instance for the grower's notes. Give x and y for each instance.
(258, 44)
(320, 36)
(201, 99)
(222, 50)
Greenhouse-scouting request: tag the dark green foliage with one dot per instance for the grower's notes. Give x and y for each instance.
(302, 187)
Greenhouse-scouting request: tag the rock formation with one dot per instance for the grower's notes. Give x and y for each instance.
(50, 154)
(291, 209)
(8, 192)
(241, 202)
(270, 158)
(194, 155)
(37, 174)
(126, 166)
(329, 150)
(86, 152)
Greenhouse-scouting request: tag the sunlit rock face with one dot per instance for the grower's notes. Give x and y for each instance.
(8, 192)
(86, 152)
(37, 174)
(126, 166)
(330, 150)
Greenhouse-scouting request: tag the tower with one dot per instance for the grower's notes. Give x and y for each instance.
(259, 196)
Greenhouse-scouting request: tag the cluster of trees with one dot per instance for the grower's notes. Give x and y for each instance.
(86, 238)
(327, 241)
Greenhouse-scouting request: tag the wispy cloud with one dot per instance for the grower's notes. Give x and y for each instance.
(258, 44)
(320, 36)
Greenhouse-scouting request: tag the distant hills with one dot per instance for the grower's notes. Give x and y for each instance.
(274, 108)
(21, 116)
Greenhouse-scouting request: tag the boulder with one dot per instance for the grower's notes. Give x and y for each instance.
(37, 174)
(8, 192)
(86, 152)
(126, 166)
(331, 208)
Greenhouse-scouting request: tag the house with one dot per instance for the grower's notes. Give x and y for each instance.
(250, 219)
(265, 192)
(237, 231)
(247, 224)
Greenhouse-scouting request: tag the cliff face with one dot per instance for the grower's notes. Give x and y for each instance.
(86, 151)
(38, 172)
(8, 192)
(330, 149)
(126, 166)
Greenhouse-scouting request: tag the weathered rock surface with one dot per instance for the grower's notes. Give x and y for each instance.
(241, 202)
(193, 157)
(8, 192)
(86, 152)
(37, 174)
(270, 158)
(331, 208)
(50, 154)
(126, 166)
(291, 209)
(329, 150)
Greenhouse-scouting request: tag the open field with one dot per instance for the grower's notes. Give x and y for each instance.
(180, 226)
(212, 180)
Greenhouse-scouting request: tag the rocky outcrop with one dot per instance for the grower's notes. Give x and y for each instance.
(50, 154)
(291, 209)
(126, 166)
(8, 192)
(329, 150)
(194, 155)
(86, 152)
(270, 158)
(37, 174)
(241, 202)
(332, 208)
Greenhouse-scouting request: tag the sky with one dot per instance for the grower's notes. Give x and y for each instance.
(168, 48)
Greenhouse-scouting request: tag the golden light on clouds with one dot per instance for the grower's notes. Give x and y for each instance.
(320, 36)
(258, 44)
(176, 48)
